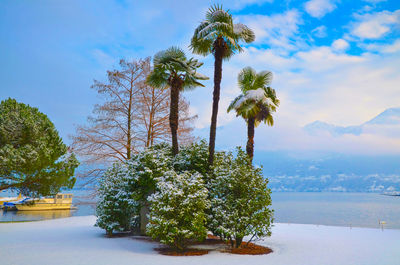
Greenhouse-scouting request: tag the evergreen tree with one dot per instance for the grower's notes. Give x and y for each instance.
(239, 199)
(177, 212)
(116, 210)
(33, 157)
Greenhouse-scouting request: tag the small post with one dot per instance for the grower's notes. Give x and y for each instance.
(382, 224)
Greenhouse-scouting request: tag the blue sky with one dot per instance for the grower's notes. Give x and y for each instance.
(334, 61)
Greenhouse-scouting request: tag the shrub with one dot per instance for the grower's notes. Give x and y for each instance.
(193, 157)
(116, 209)
(125, 186)
(177, 212)
(239, 199)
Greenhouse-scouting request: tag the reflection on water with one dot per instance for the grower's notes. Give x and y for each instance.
(81, 210)
(34, 215)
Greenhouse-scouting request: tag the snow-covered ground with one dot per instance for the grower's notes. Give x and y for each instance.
(74, 240)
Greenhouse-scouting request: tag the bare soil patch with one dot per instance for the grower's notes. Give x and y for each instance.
(214, 243)
(249, 249)
(188, 252)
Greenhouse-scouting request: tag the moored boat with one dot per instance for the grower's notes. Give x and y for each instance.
(57, 202)
(5, 200)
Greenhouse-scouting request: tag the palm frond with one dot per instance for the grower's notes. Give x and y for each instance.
(257, 100)
(262, 79)
(172, 63)
(219, 25)
(246, 78)
(244, 33)
(235, 103)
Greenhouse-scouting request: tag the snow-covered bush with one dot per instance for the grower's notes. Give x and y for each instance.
(147, 166)
(193, 157)
(124, 188)
(177, 212)
(116, 210)
(239, 199)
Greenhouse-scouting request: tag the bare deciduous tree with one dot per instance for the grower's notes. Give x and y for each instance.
(133, 116)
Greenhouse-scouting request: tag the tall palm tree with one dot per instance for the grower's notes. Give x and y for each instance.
(218, 35)
(256, 103)
(173, 69)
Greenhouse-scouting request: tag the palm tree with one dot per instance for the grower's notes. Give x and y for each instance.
(256, 103)
(173, 69)
(218, 35)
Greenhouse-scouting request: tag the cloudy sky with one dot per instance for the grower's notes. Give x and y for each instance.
(336, 61)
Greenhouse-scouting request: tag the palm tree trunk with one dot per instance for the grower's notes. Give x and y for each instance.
(174, 116)
(217, 88)
(250, 138)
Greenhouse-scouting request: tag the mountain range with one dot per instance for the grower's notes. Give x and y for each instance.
(389, 117)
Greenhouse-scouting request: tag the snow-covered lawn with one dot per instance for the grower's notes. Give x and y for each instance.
(74, 240)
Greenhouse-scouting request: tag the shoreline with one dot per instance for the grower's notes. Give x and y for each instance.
(75, 240)
(280, 223)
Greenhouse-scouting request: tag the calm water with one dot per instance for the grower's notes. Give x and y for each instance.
(79, 198)
(338, 209)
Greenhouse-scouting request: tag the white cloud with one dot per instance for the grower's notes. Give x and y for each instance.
(278, 30)
(319, 8)
(319, 32)
(384, 48)
(340, 45)
(375, 25)
(319, 84)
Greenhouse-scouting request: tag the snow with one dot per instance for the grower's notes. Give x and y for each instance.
(75, 240)
(253, 95)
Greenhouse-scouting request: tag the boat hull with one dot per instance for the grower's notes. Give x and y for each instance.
(44, 206)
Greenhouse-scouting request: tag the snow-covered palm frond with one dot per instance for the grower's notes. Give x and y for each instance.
(219, 26)
(257, 100)
(217, 13)
(244, 33)
(173, 63)
(235, 104)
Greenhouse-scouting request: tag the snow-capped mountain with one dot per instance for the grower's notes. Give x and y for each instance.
(390, 117)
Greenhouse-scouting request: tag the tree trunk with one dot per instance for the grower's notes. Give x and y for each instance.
(129, 125)
(219, 48)
(174, 115)
(238, 241)
(144, 220)
(250, 138)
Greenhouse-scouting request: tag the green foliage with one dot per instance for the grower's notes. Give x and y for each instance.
(219, 26)
(124, 188)
(33, 158)
(175, 186)
(177, 212)
(172, 65)
(193, 158)
(257, 100)
(146, 167)
(239, 199)
(116, 209)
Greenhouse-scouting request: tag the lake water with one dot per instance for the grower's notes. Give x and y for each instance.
(338, 209)
(324, 208)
